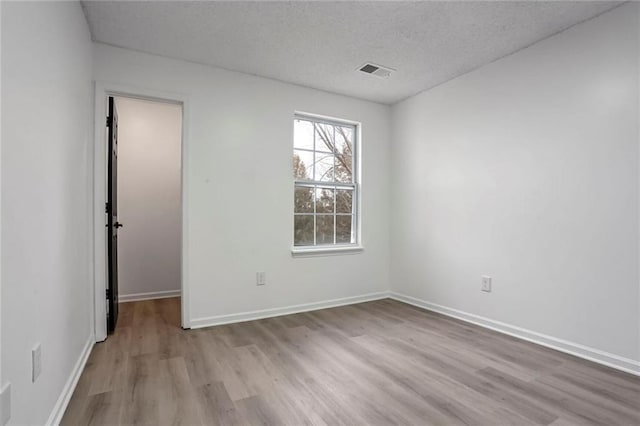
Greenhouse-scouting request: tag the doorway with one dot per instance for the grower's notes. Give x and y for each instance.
(141, 185)
(143, 202)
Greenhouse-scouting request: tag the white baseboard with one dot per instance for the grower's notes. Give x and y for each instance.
(63, 400)
(293, 309)
(134, 297)
(596, 355)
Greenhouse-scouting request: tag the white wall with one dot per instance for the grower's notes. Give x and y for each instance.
(149, 203)
(240, 187)
(46, 122)
(2, 413)
(527, 170)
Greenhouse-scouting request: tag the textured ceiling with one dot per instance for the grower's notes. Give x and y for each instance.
(321, 44)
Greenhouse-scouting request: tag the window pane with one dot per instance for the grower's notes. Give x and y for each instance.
(324, 138)
(303, 230)
(344, 201)
(344, 168)
(324, 167)
(343, 230)
(324, 229)
(303, 134)
(302, 164)
(344, 154)
(344, 139)
(324, 200)
(303, 200)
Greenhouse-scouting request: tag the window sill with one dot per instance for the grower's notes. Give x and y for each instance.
(325, 251)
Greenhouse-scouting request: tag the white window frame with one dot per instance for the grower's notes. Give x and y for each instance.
(355, 186)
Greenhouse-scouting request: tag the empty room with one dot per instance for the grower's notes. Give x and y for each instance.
(319, 212)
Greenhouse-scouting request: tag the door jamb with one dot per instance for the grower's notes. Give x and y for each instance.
(102, 91)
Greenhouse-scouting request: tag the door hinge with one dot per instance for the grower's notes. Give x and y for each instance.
(108, 293)
(108, 121)
(106, 207)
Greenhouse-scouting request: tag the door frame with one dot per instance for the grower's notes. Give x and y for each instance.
(99, 259)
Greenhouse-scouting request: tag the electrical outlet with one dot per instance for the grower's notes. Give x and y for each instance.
(36, 362)
(486, 284)
(5, 404)
(261, 278)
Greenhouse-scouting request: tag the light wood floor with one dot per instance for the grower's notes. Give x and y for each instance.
(376, 363)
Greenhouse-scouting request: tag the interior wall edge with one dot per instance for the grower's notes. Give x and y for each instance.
(67, 391)
(287, 310)
(136, 297)
(581, 351)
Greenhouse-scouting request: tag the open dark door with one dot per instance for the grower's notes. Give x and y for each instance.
(112, 218)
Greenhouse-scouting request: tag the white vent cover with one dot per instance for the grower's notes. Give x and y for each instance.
(377, 70)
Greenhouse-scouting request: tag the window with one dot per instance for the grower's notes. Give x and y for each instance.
(326, 187)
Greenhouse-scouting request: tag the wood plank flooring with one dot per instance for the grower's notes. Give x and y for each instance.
(377, 363)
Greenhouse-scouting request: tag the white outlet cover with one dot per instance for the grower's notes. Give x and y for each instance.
(486, 283)
(261, 278)
(36, 362)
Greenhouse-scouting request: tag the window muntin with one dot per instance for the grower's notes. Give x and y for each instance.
(325, 189)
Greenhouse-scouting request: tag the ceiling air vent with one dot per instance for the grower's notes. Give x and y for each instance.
(377, 70)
